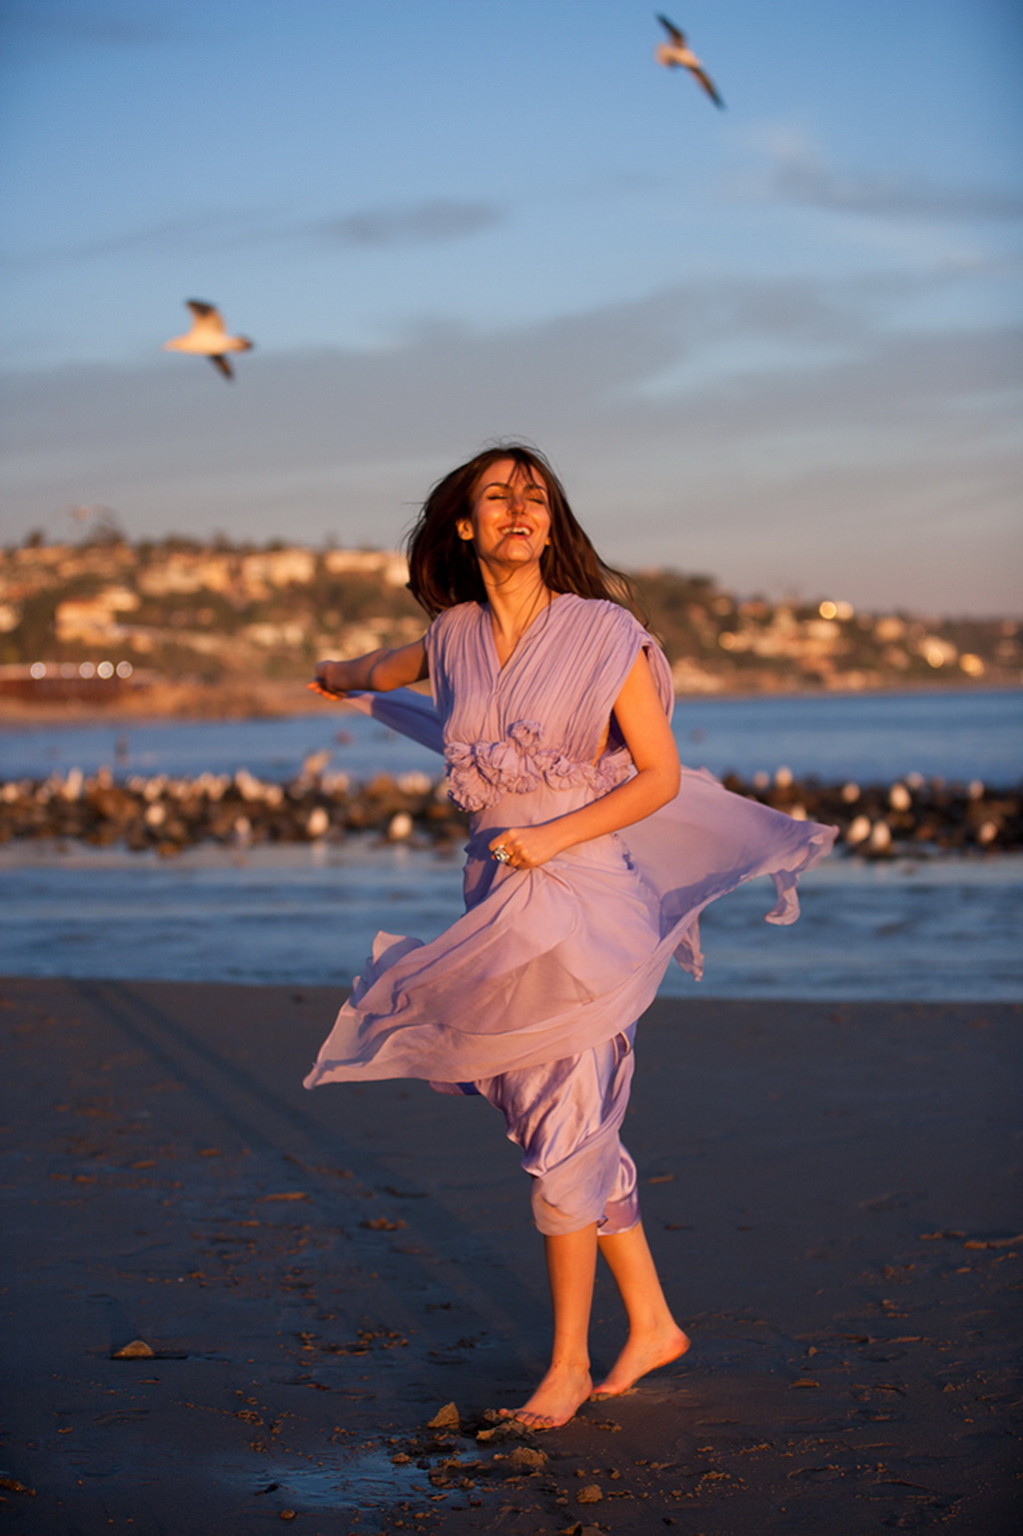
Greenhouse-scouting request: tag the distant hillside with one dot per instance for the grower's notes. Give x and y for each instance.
(177, 615)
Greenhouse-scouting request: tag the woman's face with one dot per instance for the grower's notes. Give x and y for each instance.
(510, 520)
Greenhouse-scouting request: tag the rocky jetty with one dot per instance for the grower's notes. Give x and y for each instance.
(912, 815)
(170, 814)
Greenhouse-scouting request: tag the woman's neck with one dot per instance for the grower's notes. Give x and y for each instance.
(514, 603)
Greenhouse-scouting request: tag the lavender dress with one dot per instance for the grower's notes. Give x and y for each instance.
(531, 997)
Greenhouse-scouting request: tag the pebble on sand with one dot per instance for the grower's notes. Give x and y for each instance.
(138, 1349)
(527, 1456)
(446, 1418)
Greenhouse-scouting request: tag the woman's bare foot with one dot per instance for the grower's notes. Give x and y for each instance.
(642, 1353)
(563, 1390)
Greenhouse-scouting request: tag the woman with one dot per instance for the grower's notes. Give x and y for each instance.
(587, 868)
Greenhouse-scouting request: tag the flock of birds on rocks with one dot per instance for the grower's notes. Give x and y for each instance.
(914, 815)
(208, 336)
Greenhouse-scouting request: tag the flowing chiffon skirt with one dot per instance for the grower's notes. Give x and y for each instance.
(548, 963)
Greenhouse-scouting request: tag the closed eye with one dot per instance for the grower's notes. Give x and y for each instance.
(535, 493)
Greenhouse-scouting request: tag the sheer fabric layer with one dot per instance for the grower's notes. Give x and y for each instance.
(549, 963)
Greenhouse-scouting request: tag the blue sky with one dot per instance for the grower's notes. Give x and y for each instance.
(778, 343)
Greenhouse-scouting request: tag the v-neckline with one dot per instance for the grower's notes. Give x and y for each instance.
(499, 667)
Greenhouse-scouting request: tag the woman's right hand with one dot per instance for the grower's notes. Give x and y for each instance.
(331, 679)
(378, 671)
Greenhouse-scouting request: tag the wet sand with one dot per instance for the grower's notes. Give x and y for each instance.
(828, 1188)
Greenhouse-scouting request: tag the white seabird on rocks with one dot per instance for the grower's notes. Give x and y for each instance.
(208, 338)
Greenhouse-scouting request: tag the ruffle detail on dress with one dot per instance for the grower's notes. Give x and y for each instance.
(482, 772)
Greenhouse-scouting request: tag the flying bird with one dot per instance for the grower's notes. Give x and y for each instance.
(678, 53)
(208, 338)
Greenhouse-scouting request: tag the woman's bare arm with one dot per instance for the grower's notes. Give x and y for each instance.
(377, 671)
(648, 736)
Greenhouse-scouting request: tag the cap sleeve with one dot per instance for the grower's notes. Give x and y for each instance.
(625, 639)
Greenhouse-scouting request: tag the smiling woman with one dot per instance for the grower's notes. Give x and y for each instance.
(586, 872)
(443, 564)
(509, 528)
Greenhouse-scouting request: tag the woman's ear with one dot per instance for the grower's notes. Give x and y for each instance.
(464, 528)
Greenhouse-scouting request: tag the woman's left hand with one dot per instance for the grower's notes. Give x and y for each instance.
(527, 847)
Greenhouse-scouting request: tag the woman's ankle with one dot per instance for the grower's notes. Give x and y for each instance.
(570, 1364)
(654, 1324)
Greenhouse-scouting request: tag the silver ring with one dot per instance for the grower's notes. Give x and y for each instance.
(501, 854)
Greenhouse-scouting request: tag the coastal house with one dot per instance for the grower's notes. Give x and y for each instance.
(283, 636)
(94, 620)
(184, 572)
(269, 568)
(388, 565)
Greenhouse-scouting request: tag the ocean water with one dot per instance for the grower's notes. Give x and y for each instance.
(877, 737)
(937, 928)
(940, 929)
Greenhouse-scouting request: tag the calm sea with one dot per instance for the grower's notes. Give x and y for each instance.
(938, 929)
(877, 737)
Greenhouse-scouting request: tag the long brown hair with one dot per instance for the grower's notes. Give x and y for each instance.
(443, 569)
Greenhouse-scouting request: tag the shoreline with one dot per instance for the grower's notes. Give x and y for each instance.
(318, 1274)
(304, 914)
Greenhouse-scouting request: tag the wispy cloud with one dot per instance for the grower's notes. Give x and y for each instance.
(214, 229)
(828, 468)
(188, 234)
(431, 222)
(799, 173)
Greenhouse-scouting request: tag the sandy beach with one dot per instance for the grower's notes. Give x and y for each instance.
(828, 1188)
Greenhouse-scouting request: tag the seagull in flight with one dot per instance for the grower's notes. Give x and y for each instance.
(208, 338)
(678, 53)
